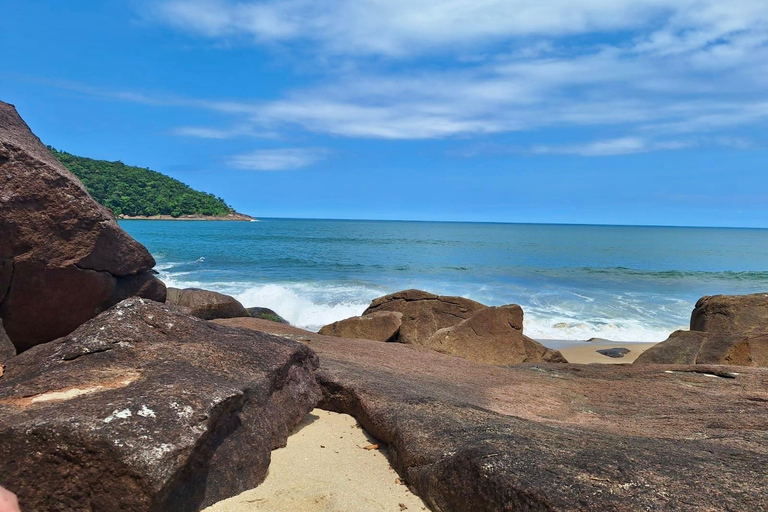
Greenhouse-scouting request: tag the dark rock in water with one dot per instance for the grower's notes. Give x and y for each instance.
(266, 314)
(206, 304)
(731, 314)
(377, 326)
(614, 352)
(468, 436)
(424, 313)
(492, 335)
(694, 347)
(63, 258)
(146, 409)
(7, 350)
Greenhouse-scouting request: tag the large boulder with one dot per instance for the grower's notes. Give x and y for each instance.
(492, 335)
(206, 304)
(63, 258)
(731, 313)
(468, 436)
(378, 326)
(7, 350)
(424, 313)
(725, 329)
(147, 409)
(694, 347)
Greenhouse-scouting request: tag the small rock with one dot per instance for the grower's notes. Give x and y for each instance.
(614, 352)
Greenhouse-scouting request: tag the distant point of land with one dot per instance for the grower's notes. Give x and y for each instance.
(140, 193)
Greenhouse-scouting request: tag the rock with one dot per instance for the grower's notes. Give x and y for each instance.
(424, 313)
(468, 436)
(7, 350)
(206, 304)
(377, 326)
(63, 258)
(731, 313)
(146, 409)
(266, 314)
(614, 352)
(492, 335)
(694, 347)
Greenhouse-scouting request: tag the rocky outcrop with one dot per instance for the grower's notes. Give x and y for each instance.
(731, 314)
(378, 326)
(725, 329)
(63, 258)
(7, 350)
(266, 314)
(492, 335)
(468, 436)
(693, 347)
(424, 313)
(206, 304)
(147, 409)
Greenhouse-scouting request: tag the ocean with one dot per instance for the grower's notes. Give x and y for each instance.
(574, 282)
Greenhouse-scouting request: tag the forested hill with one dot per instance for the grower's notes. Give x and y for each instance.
(133, 191)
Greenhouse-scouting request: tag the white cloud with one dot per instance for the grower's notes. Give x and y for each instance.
(277, 159)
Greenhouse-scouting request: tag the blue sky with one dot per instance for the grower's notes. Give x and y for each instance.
(574, 111)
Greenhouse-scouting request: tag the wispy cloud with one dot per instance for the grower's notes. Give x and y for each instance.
(647, 68)
(283, 159)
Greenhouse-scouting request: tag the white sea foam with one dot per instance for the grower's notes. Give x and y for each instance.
(306, 305)
(558, 316)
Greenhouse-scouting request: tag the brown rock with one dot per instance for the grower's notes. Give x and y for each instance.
(492, 335)
(468, 436)
(206, 304)
(377, 326)
(7, 350)
(147, 409)
(424, 313)
(694, 347)
(61, 253)
(731, 313)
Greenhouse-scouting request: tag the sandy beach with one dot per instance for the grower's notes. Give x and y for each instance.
(328, 465)
(587, 352)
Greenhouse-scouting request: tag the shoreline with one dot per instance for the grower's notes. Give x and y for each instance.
(238, 217)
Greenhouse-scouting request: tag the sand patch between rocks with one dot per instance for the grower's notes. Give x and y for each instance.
(326, 467)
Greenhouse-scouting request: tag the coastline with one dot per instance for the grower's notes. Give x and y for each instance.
(239, 217)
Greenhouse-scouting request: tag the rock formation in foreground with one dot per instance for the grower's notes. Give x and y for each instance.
(206, 304)
(147, 409)
(63, 258)
(470, 437)
(377, 326)
(725, 329)
(452, 325)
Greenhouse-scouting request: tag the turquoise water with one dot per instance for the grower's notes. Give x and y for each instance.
(574, 282)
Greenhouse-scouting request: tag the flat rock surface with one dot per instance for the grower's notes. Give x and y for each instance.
(468, 436)
(147, 409)
(63, 258)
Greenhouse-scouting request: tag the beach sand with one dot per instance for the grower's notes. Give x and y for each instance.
(586, 353)
(326, 467)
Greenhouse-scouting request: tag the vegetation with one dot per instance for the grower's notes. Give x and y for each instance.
(134, 191)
